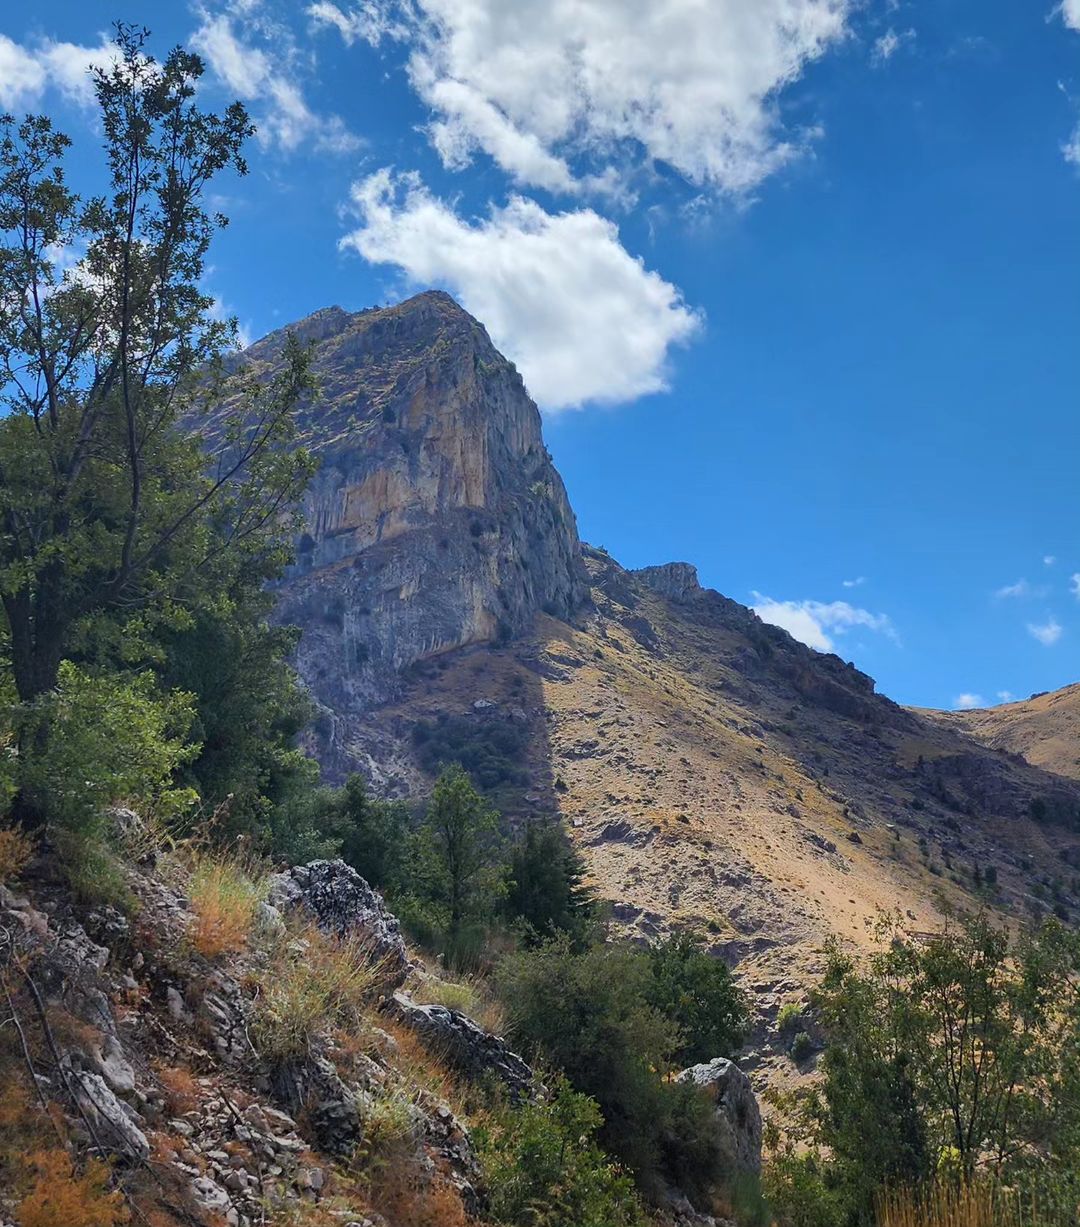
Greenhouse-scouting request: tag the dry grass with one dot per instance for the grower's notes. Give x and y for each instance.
(15, 853)
(61, 1196)
(182, 1090)
(422, 1068)
(970, 1205)
(311, 983)
(470, 995)
(225, 892)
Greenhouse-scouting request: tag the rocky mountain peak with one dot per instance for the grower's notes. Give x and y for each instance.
(437, 518)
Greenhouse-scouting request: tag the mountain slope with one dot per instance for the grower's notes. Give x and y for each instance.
(1045, 729)
(714, 772)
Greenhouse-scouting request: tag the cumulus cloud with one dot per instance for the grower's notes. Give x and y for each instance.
(537, 84)
(1070, 11)
(857, 582)
(257, 61)
(1006, 696)
(814, 622)
(890, 43)
(1047, 633)
(1074, 585)
(582, 318)
(968, 701)
(27, 71)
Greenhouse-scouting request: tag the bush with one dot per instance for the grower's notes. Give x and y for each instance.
(542, 1165)
(801, 1046)
(491, 751)
(15, 852)
(697, 992)
(101, 738)
(588, 1014)
(59, 1196)
(789, 1019)
(545, 893)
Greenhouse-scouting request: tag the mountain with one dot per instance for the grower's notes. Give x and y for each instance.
(715, 772)
(1045, 729)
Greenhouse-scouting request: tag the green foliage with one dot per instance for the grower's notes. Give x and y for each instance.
(698, 993)
(957, 1050)
(543, 1166)
(800, 1195)
(491, 751)
(789, 1018)
(801, 1046)
(545, 892)
(458, 861)
(118, 532)
(374, 835)
(588, 1014)
(110, 738)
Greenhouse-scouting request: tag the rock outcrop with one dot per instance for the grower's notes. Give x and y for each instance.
(737, 1114)
(436, 519)
(341, 902)
(473, 1052)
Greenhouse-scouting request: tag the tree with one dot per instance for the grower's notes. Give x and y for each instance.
(954, 1053)
(545, 888)
(698, 993)
(111, 513)
(374, 834)
(588, 1015)
(460, 852)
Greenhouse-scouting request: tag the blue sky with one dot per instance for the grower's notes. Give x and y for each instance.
(796, 282)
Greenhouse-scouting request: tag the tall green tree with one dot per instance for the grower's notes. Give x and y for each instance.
(460, 852)
(546, 890)
(114, 522)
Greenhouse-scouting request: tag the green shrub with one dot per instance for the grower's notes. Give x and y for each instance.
(801, 1046)
(588, 1015)
(545, 894)
(491, 751)
(697, 992)
(542, 1165)
(100, 738)
(790, 1018)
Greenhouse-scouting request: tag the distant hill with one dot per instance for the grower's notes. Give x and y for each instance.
(1045, 729)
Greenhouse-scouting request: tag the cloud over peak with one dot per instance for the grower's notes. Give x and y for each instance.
(815, 622)
(583, 319)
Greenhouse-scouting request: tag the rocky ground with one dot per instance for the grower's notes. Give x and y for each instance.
(150, 1054)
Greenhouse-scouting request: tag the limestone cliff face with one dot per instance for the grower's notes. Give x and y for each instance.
(436, 518)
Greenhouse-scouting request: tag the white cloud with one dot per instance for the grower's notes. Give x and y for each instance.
(267, 76)
(22, 77)
(857, 582)
(1020, 589)
(1047, 633)
(1006, 696)
(582, 318)
(1070, 11)
(811, 622)
(967, 702)
(890, 43)
(26, 72)
(1049, 560)
(1074, 585)
(537, 84)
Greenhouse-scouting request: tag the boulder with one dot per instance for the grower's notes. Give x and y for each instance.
(341, 902)
(737, 1112)
(313, 1086)
(468, 1048)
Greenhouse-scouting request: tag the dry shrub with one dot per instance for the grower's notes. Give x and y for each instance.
(182, 1091)
(60, 1196)
(311, 983)
(422, 1066)
(409, 1196)
(15, 853)
(471, 995)
(225, 892)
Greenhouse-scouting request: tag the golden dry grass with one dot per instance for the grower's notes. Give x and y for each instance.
(225, 892)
